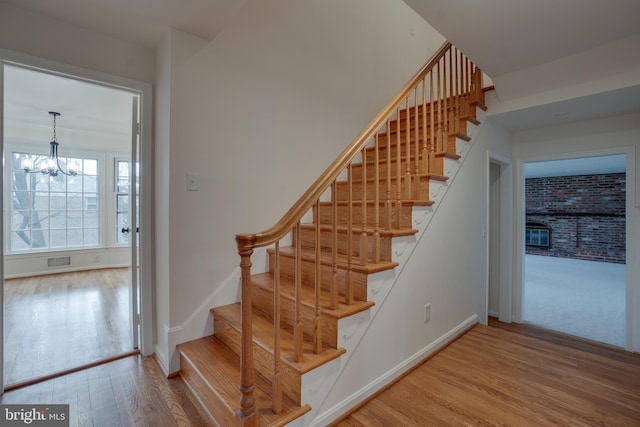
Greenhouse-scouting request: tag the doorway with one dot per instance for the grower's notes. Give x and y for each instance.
(575, 256)
(69, 270)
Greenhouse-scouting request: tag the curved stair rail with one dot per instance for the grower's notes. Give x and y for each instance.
(367, 185)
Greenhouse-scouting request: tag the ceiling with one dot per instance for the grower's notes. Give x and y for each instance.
(502, 36)
(92, 116)
(139, 21)
(616, 163)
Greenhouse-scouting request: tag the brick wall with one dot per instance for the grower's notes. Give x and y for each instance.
(586, 215)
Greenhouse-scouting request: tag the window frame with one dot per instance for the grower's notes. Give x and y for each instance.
(114, 209)
(542, 231)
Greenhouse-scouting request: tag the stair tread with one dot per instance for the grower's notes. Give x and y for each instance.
(393, 178)
(219, 367)
(394, 232)
(404, 202)
(263, 336)
(287, 289)
(342, 261)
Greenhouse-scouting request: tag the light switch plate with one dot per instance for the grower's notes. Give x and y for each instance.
(193, 182)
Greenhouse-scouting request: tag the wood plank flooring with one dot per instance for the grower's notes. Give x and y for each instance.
(128, 392)
(57, 322)
(514, 376)
(497, 375)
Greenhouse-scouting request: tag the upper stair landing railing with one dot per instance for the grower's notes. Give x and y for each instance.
(383, 166)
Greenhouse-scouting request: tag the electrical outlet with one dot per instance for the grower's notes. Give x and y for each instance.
(427, 313)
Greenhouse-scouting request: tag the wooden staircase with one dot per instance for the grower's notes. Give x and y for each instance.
(322, 253)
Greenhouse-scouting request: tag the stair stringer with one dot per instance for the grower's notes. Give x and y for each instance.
(317, 384)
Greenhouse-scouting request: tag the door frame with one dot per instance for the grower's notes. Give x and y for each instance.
(504, 254)
(145, 93)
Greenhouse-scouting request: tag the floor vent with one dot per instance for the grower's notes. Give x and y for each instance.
(59, 262)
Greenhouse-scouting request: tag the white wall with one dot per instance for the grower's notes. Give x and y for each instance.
(47, 38)
(259, 113)
(619, 134)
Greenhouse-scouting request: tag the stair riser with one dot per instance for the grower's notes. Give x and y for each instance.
(263, 359)
(453, 126)
(462, 105)
(287, 268)
(418, 190)
(263, 302)
(436, 169)
(308, 241)
(356, 169)
(209, 398)
(326, 215)
(382, 146)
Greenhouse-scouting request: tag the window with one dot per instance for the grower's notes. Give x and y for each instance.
(122, 201)
(54, 212)
(537, 235)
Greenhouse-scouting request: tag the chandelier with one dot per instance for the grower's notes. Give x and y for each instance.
(51, 165)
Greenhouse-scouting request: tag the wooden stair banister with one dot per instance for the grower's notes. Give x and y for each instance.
(426, 110)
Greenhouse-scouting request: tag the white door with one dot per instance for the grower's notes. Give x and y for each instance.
(127, 221)
(133, 219)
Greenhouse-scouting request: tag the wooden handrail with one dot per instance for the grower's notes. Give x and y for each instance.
(297, 211)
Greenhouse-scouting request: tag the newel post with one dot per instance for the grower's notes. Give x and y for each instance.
(478, 91)
(247, 415)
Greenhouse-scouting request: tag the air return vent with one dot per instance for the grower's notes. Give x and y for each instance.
(59, 262)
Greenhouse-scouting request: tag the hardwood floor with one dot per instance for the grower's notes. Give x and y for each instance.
(508, 375)
(57, 322)
(128, 392)
(516, 376)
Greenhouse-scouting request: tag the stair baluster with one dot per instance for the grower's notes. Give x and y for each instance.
(451, 112)
(348, 298)
(398, 169)
(317, 319)
(335, 291)
(388, 201)
(432, 116)
(363, 233)
(445, 113)
(407, 180)
(424, 152)
(276, 381)
(376, 202)
(458, 89)
(298, 330)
